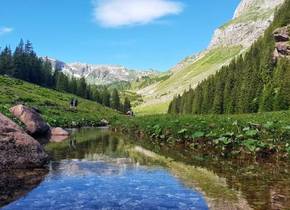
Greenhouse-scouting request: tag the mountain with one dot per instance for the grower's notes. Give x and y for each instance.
(250, 20)
(258, 81)
(99, 74)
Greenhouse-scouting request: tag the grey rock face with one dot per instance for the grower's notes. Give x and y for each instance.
(282, 34)
(18, 150)
(251, 19)
(282, 45)
(247, 6)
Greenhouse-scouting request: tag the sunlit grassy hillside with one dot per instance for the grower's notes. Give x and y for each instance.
(53, 105)
(158, 95)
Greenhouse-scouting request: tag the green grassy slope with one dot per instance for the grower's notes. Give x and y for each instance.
(263, 133)
(158, 95)
(53, 105)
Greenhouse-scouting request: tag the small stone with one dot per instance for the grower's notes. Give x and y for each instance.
(104, 122)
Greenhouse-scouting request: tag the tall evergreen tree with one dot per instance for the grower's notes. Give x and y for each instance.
(106, 98)
(6, 62)
(115, 100)
(82, 88)
(127, 105)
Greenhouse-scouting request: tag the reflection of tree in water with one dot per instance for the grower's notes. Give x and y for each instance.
(87, 143)
(264, 185)
(16, 183)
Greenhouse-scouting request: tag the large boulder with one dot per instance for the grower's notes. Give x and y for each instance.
(18, 150)
(34, 123)
(58, 134)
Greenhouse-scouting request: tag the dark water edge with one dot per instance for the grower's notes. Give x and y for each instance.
(15, 184)
(93, 153)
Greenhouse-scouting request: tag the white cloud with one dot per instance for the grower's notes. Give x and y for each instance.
(116, 13)
(5, 30)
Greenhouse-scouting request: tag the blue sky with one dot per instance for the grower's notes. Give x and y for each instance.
(138, 34)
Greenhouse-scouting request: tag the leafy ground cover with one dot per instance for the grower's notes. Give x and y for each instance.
(258, 135)
(53, 105)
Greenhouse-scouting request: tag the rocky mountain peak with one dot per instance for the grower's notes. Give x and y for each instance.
(251, 19)
(99, 74)
(247, 6)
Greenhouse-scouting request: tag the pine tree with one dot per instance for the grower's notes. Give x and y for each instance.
(20, 71)
(115, 100)
(282, 97)
(61, 82)
(82, 88)
(6, 62)
(127, 105)
(106, 98)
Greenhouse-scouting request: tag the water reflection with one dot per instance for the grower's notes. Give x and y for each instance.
(100, 169)
(94, 170)
(264, 185)
(17, 183)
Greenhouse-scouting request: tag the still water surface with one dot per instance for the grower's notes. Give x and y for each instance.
(97, 169)
(94, 171)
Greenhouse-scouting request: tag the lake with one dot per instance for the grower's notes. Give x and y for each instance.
(98, 169)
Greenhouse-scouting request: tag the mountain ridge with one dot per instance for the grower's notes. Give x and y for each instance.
(99, 74)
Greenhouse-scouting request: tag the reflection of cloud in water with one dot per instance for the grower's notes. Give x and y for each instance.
(116, 184)
(101, 166)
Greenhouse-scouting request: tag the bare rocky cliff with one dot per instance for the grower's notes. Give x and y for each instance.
(251, 19)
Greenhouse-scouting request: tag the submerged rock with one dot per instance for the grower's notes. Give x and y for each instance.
(59, 132)
(18, 150)
(34, 123)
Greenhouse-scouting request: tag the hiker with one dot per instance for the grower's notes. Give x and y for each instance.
(74, 103)
(130, 113)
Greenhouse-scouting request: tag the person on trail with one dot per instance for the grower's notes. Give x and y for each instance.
(71, 103)
(74, 103)
(130, 113)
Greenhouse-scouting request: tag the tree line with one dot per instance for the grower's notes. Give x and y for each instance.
(23, 63)
(254, 82)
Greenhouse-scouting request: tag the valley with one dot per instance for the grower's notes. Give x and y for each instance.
(211, 132)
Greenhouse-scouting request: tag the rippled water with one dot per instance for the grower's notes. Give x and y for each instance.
(94, 170)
